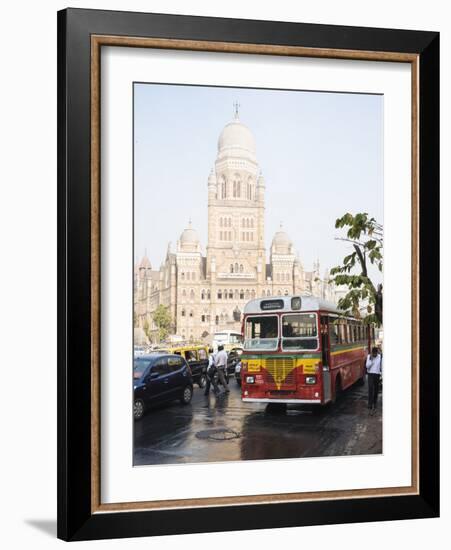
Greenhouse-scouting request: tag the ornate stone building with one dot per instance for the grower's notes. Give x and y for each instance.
(205, 293)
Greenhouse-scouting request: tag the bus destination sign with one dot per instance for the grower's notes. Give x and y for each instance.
(266, 305)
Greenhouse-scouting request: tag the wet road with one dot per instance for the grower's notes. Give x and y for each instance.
(218, 429)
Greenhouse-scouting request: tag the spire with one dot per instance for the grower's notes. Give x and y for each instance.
(236, 106)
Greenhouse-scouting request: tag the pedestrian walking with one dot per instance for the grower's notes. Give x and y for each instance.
(211, 374)
(221, 365)
(374, 371)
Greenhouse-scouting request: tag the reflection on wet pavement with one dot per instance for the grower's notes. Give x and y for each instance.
(168, 434)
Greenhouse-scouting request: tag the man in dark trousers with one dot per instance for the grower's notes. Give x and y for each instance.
(211, 374)
(374, 371)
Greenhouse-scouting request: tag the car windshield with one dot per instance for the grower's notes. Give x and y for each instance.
(299, 332)
(139, 366)
(261, 333)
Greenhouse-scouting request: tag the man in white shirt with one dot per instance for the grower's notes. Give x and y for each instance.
(374, 371)
(221, 365)
(211, 374)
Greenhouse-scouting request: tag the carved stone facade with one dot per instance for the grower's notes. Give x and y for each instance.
(207, 293)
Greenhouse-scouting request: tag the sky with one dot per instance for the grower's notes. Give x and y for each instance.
(321, 155)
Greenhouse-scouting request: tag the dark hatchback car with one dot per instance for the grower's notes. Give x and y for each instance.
(158, 378)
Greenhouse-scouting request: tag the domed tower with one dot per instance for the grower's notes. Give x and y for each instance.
(236, 205)
(282, 264)
(189, 284)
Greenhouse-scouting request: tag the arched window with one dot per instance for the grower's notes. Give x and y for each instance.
(241, 268)
(191, 294)
(238, 188)
(202, 295)
(225, 294)
(184, 293)
(236, 268)
(252, 223)
(183, 275)
(241, 294)
(217, 319)
(253, 293)
(208, 294)
(247, 294)
(223, 188)
(279, 293)
(230, 294)
(231, 268)
(219, 294)
(230, 235)
(191, 313)
(183, 312)
(286, 292)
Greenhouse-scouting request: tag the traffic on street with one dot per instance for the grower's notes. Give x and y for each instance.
(224, 428)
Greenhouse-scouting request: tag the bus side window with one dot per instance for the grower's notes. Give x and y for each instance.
(333, 332)
(342, 333)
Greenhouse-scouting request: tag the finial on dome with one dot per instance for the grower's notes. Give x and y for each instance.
(237, 107)
(189, 222)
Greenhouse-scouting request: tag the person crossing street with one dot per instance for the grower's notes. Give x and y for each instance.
(221, 365)
(211, 374)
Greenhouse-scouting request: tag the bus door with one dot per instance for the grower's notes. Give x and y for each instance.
(325, 358)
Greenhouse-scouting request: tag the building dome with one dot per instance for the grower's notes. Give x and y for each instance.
(236, 135)
(189, 240)
(189, 236)
(281, 243)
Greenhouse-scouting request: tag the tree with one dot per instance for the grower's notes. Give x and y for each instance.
(162, 318)
(366, 238)
(146, 328)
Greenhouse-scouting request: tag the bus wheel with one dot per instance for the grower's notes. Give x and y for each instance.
(276, 408)
(337, 392)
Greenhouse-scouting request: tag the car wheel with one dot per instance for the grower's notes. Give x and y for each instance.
(202, 381)
(187, 395)
(138, 409)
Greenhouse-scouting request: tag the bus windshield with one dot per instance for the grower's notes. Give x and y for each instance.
(299, 332)
(261, 333)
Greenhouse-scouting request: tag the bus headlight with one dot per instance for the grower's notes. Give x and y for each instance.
(310, 379)
(250, 379)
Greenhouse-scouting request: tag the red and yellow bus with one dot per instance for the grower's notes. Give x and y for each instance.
(300, 349)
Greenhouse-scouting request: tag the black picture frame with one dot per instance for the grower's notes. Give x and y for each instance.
(76, 519)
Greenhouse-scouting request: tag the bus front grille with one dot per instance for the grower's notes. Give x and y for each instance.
(281, 371)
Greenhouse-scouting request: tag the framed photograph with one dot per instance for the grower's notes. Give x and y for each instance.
(248, 274)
